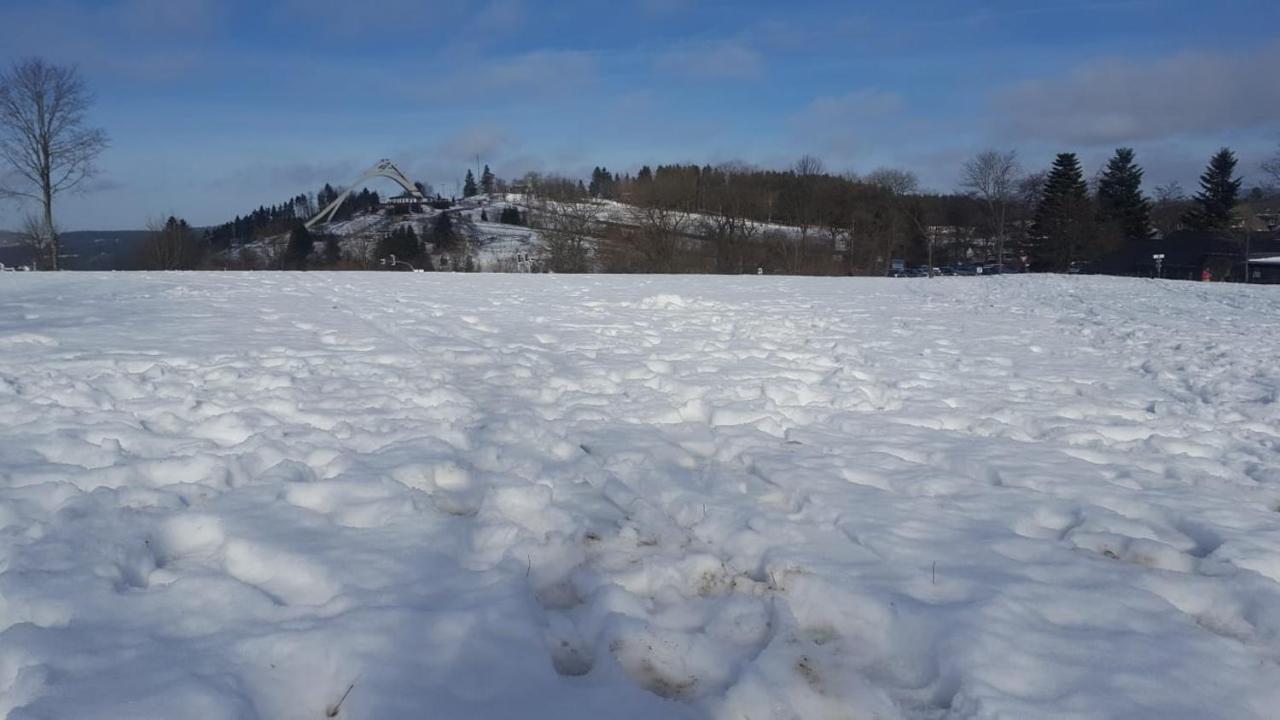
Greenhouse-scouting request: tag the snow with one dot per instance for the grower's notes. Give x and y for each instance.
(300, 495)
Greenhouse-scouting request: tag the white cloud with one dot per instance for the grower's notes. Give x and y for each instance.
(846, 124)
(1114, 101)
(854, 107)
(539, 74)
(711, 61)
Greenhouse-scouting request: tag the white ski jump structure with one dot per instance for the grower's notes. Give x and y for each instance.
(384, 168)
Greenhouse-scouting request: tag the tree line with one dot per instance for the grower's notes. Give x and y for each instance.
(729, 218)
(735, 218)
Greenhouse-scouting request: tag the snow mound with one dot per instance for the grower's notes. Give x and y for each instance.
(307, 495)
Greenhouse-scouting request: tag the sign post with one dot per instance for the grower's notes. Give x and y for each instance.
(1159, 258)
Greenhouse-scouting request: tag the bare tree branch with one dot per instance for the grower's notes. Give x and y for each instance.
(1271, 166)
(46, 148)
(36, 236)
(992, 177)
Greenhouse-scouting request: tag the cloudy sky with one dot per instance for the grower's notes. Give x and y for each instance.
(215, 107)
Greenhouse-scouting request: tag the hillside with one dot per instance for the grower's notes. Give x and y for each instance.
(300, 495)
(497, 247)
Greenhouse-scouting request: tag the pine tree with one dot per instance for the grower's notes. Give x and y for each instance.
(1063, 224)
(469, 185)
(1122, 207)
(300, 245)
(401, 242)
(510, 216)
(1218, 195)
(332, 250)
(442, 236)
(487, 181)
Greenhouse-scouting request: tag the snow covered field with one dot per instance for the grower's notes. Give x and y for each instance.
(486, 496)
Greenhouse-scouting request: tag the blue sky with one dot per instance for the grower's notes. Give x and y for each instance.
(217, 107)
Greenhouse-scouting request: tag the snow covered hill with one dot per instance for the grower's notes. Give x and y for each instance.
(491, 245)
(301, 495)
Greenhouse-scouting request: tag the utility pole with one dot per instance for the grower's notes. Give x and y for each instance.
(1247, 235)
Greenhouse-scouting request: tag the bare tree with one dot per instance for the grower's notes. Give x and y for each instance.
(44, 140)
(808, 166)
(569, 229)
(725, 227)
(992, 177)
(1271, 166)
(729, 235)
(362, 249)
(898, 182)
(37, 236)
(171, 245)
(661, 236)
(1169, 206)
(1027, 190)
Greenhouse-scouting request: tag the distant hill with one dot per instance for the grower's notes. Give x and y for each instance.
(82, 249)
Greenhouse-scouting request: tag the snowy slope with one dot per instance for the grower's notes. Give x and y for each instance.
(457, 496)
(495, 247)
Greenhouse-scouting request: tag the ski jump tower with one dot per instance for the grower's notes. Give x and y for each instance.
(384, 168)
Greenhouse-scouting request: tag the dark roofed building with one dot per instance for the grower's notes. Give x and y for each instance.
(1187, 254)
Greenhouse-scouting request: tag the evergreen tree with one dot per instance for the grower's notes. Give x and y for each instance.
(326, 195)
(1218, 194)
(299, 248)
(332, 250)
(602, 183)
(510, 216)
(469, 185)
(487, 181)
(1122, 208)
(442, 236)
(401, 242)
(1062, 224)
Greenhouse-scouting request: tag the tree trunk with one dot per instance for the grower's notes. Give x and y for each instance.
(48, 227)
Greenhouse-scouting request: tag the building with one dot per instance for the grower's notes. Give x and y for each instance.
(1186, 254)
(1264, 268)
